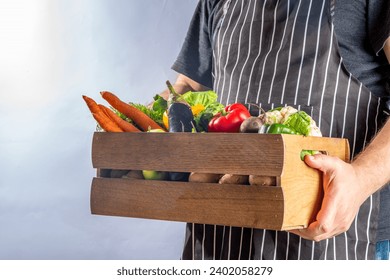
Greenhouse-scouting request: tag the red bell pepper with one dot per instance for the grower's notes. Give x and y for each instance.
(230, 120)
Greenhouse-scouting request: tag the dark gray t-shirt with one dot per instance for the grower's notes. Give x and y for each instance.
(359, 42)
(361, 26)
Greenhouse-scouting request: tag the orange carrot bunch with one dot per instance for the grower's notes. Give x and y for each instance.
(100, 116)
(124, 125)
(133, 113)
(111, 122)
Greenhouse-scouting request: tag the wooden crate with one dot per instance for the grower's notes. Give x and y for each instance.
(293, 203)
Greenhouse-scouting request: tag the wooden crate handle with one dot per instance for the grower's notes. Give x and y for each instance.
(337, 147)
(302, 185)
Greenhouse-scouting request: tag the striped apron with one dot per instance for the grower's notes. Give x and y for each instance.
(285, 52)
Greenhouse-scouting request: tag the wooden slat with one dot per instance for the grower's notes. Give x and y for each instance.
(232, 153)
(235, 205)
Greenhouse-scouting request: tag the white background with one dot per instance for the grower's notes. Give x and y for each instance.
(51, 53)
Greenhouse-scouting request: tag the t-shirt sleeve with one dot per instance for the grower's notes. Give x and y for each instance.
(379, 23)
(195, 58)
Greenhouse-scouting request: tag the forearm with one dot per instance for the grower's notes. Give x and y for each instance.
(372, 166)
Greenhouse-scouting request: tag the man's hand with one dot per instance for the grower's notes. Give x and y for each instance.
(343, 195)
(386, 49)
(184, 84)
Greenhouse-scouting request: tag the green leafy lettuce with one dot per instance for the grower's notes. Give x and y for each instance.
(211, 106)
(300, 121)
(155, 115)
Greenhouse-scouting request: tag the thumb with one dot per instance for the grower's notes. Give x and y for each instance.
(321, 162)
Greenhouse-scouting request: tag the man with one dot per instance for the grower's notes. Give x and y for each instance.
(323, 57)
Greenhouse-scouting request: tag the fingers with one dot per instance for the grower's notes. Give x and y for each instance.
(319, 229)
(322, 162)
(330, 219)
(316, 232)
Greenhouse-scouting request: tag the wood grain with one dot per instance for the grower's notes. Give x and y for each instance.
(232, 153)
(294, 203)
(302, 185)
(233, 205)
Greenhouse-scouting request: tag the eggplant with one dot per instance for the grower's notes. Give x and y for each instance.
(181, 119)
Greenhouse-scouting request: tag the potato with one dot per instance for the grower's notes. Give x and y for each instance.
(262, 180)
(204, 177)
(234, 179)
(134, 174)
(118, 173)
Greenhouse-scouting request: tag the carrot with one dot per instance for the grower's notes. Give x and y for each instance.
(124, 125)
(139, 118)
(92, 105)
(105, 122)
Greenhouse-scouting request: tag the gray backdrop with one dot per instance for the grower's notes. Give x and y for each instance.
(52, 52)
